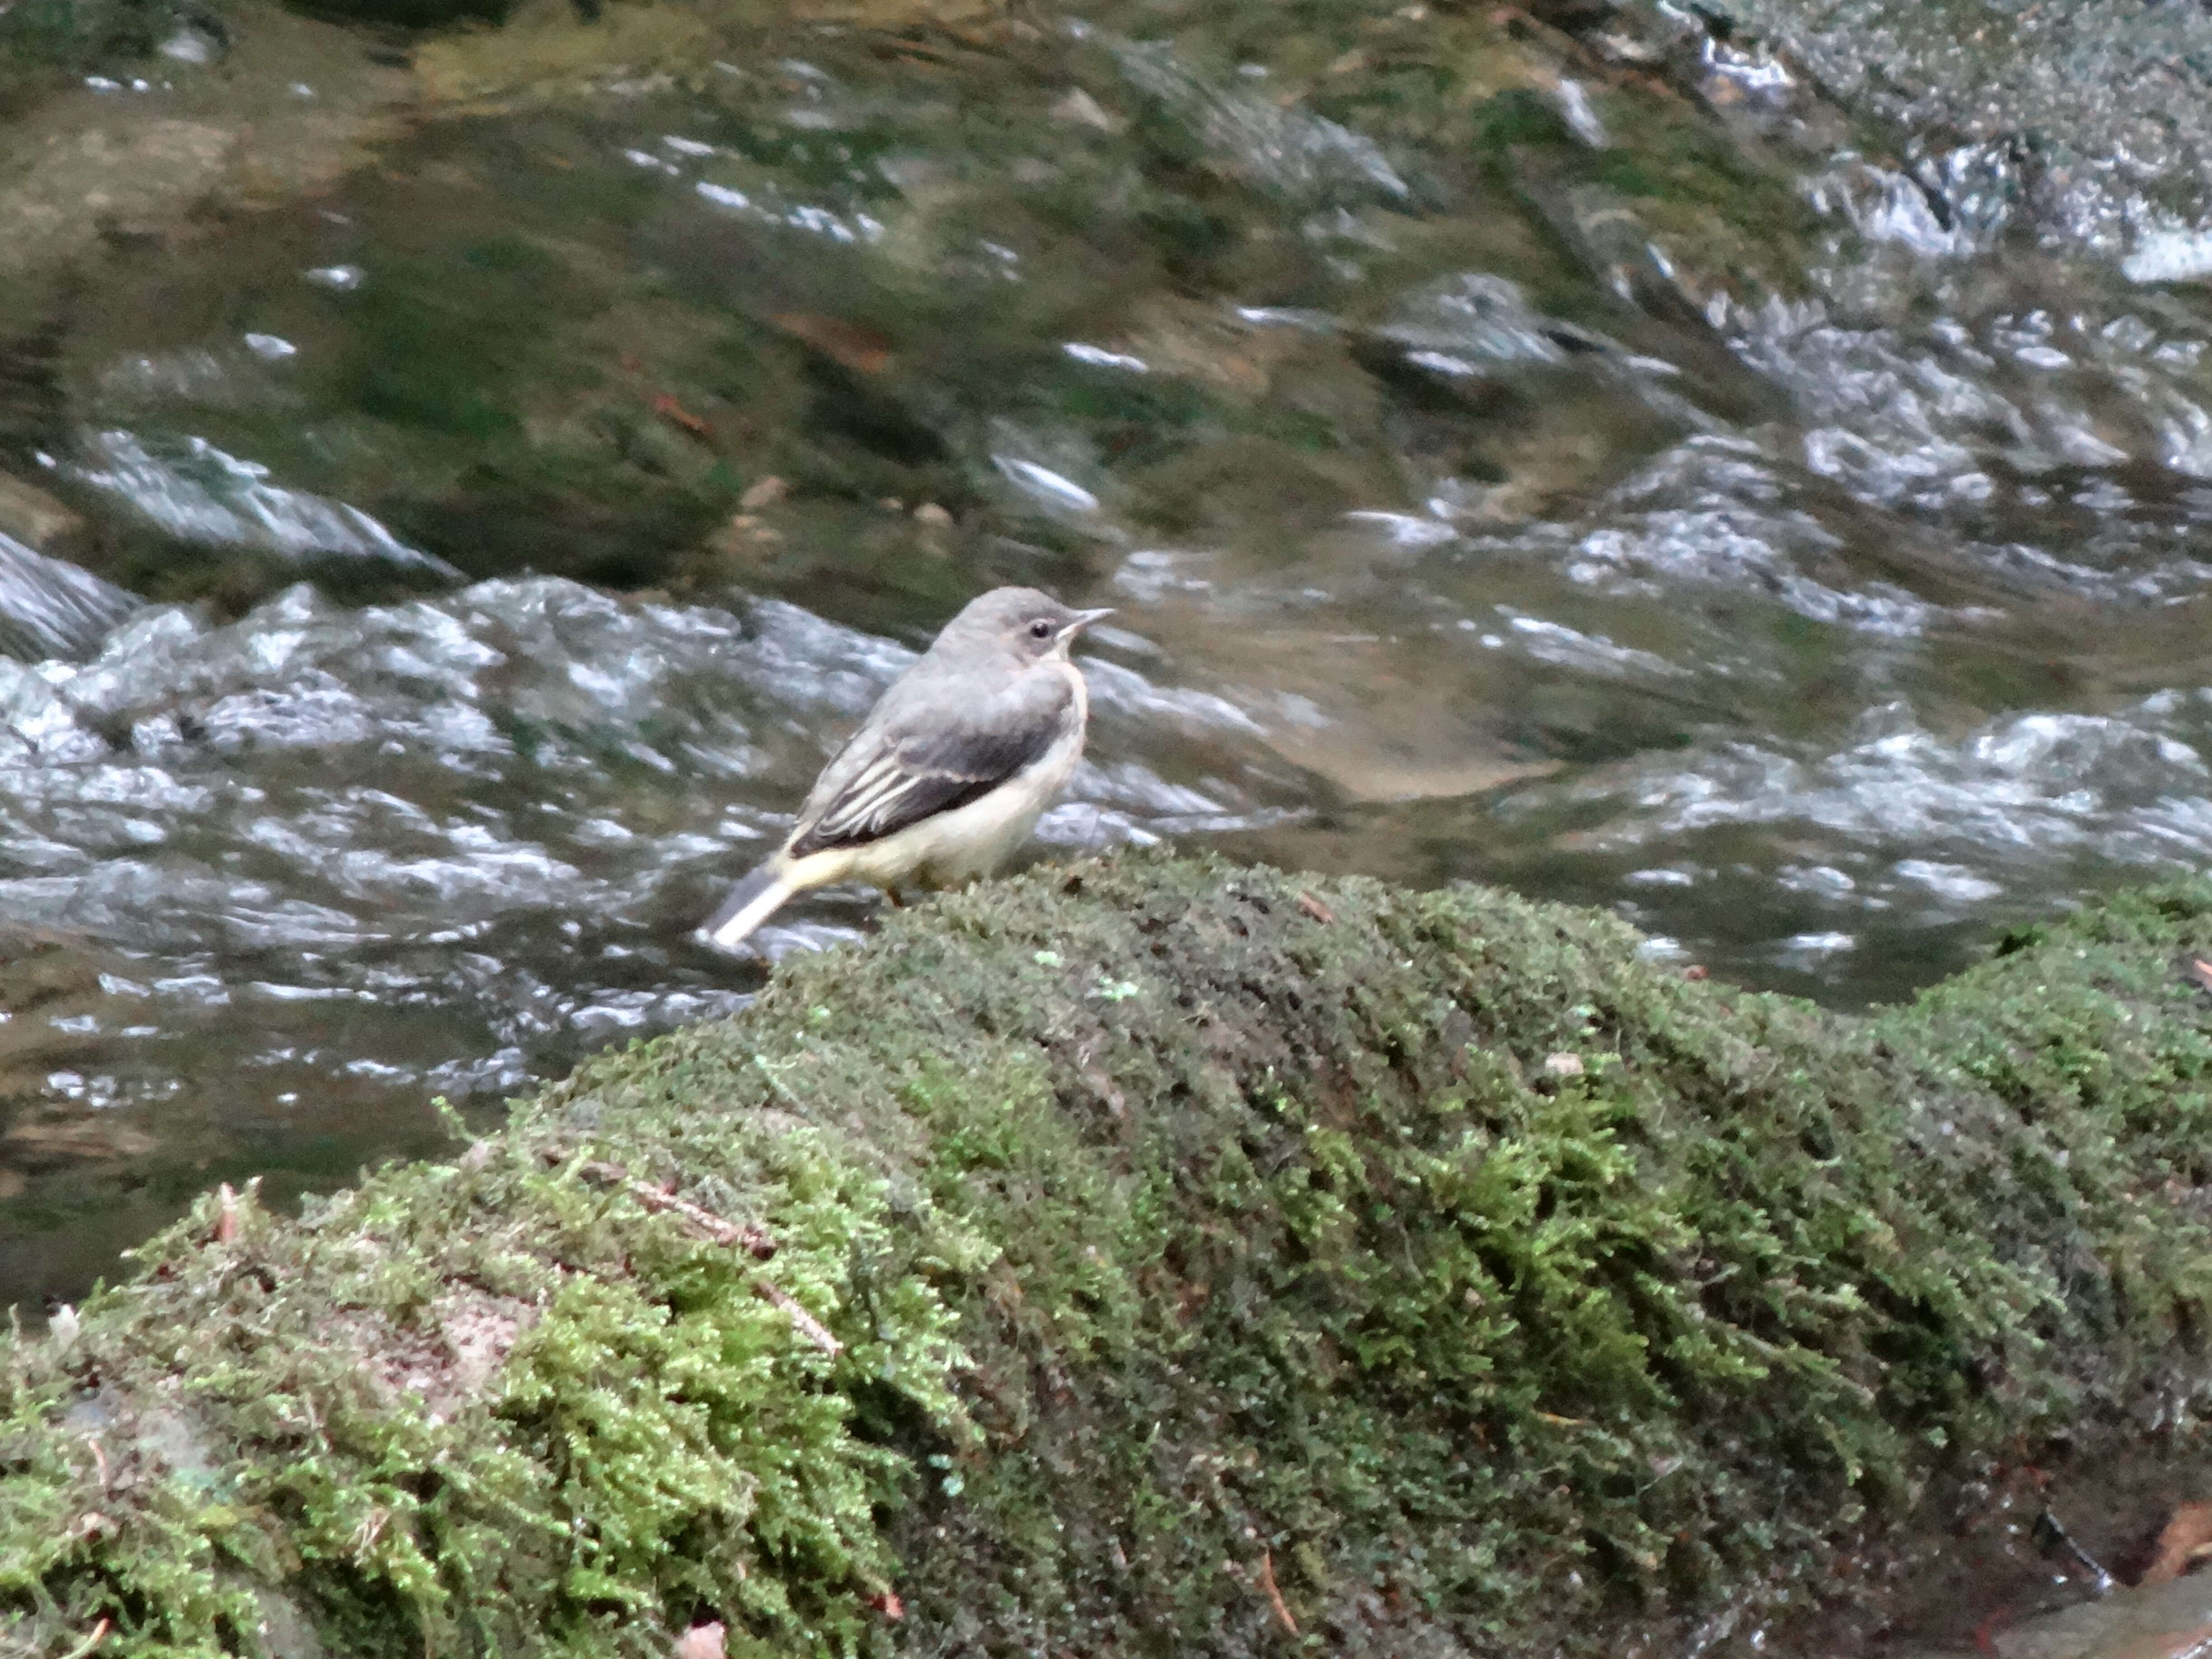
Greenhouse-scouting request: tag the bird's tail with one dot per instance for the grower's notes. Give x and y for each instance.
(751, 902)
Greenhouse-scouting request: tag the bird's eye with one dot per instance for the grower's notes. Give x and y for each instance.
(1041, 630)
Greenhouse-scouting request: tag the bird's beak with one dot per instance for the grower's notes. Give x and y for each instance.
(1083, 620)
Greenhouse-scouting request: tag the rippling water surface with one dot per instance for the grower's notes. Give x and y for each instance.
(485, 553)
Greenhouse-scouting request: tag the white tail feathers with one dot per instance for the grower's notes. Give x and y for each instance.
(750, 902)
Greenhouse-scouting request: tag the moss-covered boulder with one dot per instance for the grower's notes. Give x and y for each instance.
(1157, 1257)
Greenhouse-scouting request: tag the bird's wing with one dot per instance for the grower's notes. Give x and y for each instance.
(887, 779)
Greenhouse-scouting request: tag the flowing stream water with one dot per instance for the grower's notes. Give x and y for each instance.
(486, 543)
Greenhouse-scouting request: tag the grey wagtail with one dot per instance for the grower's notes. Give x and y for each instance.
(951, 770)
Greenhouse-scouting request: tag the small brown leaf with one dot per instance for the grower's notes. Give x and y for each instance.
(701, 1641)
(1314, 907)
(1274, 1593)
(763, 492)
(2199, 972)
(2185, 1541)
(887, 1603)
(859, 349)
(669, 409)
(226, 1223)
(1696, 971)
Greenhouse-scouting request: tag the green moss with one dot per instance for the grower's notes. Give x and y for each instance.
(1183, 1230)
(487, 1410)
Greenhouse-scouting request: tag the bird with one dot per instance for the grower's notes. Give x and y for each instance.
(949, 773)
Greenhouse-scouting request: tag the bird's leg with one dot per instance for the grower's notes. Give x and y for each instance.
(897, 898)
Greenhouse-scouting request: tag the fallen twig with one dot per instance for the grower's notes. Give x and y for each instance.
(806, 1324)
(98, 1635)
(742, 1235)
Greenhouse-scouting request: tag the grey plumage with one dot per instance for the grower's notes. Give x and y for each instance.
(949, 771)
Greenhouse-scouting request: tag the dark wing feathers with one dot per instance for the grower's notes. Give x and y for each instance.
(908, 778)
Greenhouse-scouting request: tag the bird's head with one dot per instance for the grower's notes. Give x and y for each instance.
(1030, 624)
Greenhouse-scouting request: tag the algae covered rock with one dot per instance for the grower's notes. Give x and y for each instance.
(1154, 1255)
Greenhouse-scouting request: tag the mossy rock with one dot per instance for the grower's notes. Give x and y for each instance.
(1166, 1253)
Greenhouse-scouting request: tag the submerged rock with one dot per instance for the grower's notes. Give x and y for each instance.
(1157, 1255)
